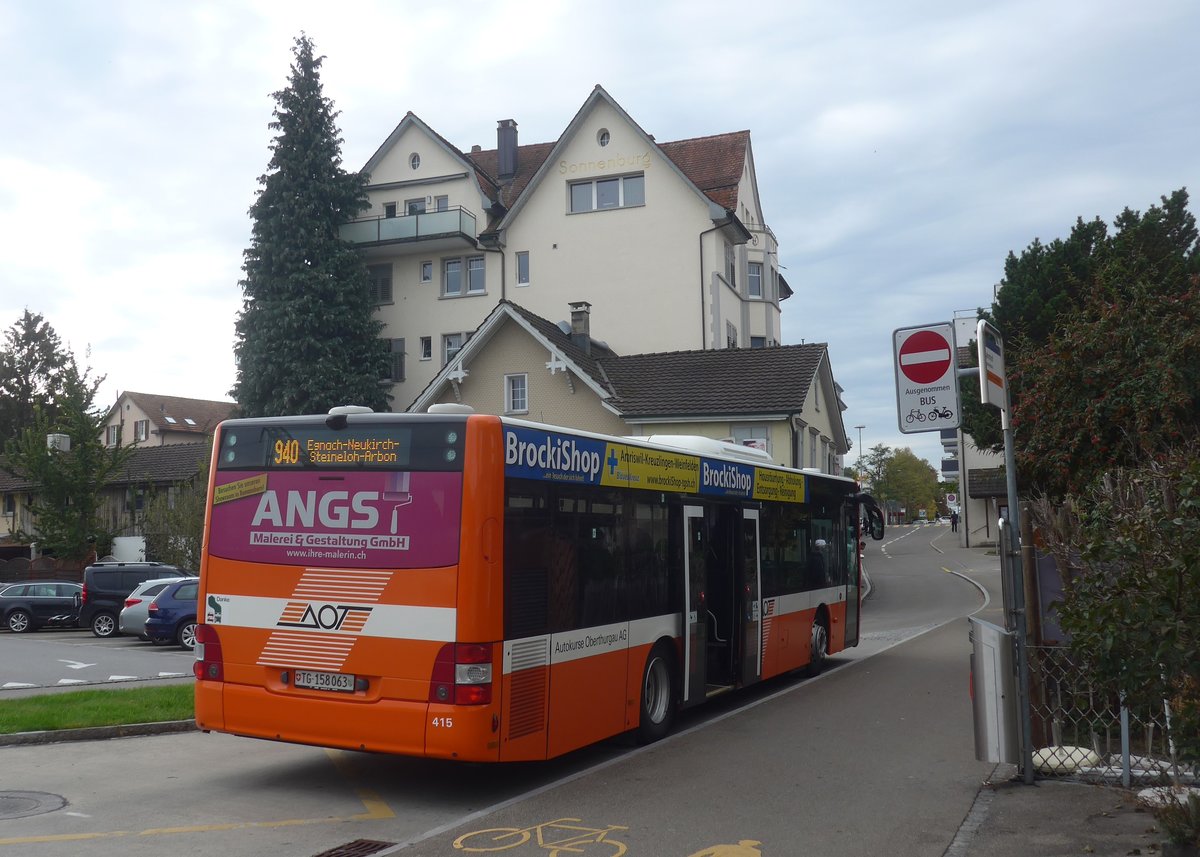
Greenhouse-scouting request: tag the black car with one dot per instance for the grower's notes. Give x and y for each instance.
(29, 606)
(106, 585)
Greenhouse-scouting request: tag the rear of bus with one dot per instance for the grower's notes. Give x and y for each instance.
(347, 583)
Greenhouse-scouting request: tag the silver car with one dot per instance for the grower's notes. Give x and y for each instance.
(133, 615)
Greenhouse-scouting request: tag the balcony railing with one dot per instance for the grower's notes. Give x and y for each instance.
(410, 227)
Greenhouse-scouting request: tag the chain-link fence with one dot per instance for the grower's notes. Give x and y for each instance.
(1084, 732)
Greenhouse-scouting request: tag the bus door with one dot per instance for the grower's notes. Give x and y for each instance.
(750, 599)
(695, 610)
(851, 513)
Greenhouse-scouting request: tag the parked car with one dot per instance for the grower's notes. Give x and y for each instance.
(29, 606)
(172, 614)
(106, 585)
(132, 620)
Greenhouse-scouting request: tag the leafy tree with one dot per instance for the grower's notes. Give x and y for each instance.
(173, 522)
(1099, 335)
(32, 364)
(307, 338)
(911, 481)
(1129, 548)
(68, 498)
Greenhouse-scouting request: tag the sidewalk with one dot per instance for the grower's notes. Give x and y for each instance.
(1051, 818)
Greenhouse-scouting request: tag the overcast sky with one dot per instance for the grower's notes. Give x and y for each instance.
(902, 149)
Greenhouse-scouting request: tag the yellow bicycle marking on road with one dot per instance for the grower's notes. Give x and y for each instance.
(375, 808)
(478, 841)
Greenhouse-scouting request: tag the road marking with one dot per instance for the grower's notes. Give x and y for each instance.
(124, 677)
(75, 665)
(15, 684)
(171, 675)
(71, 681)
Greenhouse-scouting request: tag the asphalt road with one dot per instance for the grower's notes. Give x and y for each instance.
(874, 757)
(75, 657)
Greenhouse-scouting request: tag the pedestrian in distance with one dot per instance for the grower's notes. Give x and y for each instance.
(954, 522)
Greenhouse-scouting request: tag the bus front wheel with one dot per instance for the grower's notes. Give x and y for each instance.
(820, 647)
(658, 695)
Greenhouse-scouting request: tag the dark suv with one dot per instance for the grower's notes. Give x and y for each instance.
(106, 585)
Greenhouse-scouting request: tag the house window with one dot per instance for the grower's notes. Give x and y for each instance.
(730, 266)
(731, 340)
(523, 268)
(414, 161)
(426, 347)
(603, 137)
(389, 209)
(516, 394)
(395, 368)
(427, 272)
(475, 276)
(441, 203)
(754, 279)
(452, 343)
(755, 436)
(141, 430)
(379, 283)
(415, 206)
(112, 435)
(10, 504)
(758, 342)
(452, 277)
(812, 447)
(619, 192)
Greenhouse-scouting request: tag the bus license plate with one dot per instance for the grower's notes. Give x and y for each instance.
(341, 682)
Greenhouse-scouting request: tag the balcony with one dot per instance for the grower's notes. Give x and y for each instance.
(432, 230)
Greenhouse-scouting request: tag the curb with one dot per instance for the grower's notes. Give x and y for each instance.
(96, 733)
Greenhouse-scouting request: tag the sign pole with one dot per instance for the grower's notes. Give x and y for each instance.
(993, 386)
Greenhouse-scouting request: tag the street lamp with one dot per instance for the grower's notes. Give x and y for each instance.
(860, 473)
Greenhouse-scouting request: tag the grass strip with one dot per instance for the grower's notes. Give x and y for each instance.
(84, 708)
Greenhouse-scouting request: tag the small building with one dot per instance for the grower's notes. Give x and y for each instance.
(783, 399)
(150, 419)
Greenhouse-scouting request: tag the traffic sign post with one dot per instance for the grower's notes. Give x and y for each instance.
(926, 378)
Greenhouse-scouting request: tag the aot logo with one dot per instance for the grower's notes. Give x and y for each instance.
(334, 510)
(324, 617)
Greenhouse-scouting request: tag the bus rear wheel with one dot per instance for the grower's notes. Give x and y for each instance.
(658, 695)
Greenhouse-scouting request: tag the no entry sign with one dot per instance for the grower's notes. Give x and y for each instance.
(926, 378)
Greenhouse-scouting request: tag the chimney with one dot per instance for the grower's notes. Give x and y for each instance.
(506, 148)
(581, 328)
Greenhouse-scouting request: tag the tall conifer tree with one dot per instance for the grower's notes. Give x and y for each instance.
(307, 338)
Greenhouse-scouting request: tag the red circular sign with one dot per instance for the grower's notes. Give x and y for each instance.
(925, 357)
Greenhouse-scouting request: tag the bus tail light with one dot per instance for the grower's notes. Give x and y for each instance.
(462, 674)
(210, 662)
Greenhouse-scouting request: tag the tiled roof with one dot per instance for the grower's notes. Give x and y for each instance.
(728, 381)
(162, 465)
(204, 413)
(159, 465)
(586, 362)
(714, 164)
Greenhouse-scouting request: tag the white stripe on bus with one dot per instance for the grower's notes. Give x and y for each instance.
(391, 621)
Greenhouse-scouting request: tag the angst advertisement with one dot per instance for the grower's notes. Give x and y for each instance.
(354, 519)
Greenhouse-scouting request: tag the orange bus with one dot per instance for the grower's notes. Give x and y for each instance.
(466, 586)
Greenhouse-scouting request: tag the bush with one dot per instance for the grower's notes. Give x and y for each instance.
(1129, 549)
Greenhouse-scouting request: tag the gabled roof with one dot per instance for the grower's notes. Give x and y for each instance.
(712, 164)
(727, 382)
(177, 414)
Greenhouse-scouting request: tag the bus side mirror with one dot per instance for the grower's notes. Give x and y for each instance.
(875, 517)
